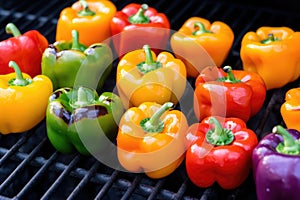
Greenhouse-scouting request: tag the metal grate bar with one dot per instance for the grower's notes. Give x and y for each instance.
(107, 185)
(23, 164)
(130, 190)
(84, 181)
(156, 189)
(37, 176)
(181, 190)
(53, 187)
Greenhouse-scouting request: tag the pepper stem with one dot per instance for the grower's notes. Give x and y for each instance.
(75, 40)
(86, 11)
(149, 64)
(219, 136)
(230, 76)
(12, 29)
(154, 124)
(289, 145)
(271, 38)
(140, 17)
(82, 98)
(19, 80)
(200, 29)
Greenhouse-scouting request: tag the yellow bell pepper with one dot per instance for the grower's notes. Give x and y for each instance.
(273, 53)
(91, 18)
(23, 100)
(290, 109)
(141, 77)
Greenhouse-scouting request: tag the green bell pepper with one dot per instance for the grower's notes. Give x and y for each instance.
(79, 119)
(69, 63)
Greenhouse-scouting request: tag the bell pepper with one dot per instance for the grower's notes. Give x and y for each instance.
(200, 43)
(23, 100)
(276, 164)
(219, 150)
(273, 53)
(141, 77)
(91, 18)
(80, 120)
(139, 24)
(69, 63)
(25, 49)
(290, 109)
(151, 139)
(228, 93)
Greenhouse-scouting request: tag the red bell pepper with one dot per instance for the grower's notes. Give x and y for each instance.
(219, 150)
(228, 93)
(136, 25)
(26, 50)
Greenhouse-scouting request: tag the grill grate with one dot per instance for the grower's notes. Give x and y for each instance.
(30, 168)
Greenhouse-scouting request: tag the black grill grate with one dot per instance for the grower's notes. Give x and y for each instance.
(30, 168)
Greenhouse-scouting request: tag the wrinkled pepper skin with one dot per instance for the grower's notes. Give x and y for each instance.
(276, 174)
(23, 102)
(273, 53)
(228, 162)
(290, 109)
(69, 64)
(160, 79)
(198, 37)
(157, 149)
(234, 93)
(139, 24)
(92, 23)
(25, 49)
(86, 123)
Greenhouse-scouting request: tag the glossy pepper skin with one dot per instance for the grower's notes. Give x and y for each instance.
(273, 53)
(23, 100)
(219, 150)
(91, 18)
(198, 37)
(69, 63)
(25, 49)
(139, 24)
(276, 164)
(290, 109)
(151, 139)
(141, 77)
(227, 92)
(79, 119)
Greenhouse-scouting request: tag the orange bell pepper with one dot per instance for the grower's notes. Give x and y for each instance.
(273, 53)
(90, 18)
(151, 139)
(290, 109)
(200, 43)
(141, 77)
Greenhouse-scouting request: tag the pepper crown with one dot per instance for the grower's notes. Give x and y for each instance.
(289, 145)
(19, 80)
(200, 29)
(12, 29)
(154, 124)
(84, 97)
(219, 136)
(149, 64)
(230, 76)
(86, 11)
(140, 17)
(270, 39)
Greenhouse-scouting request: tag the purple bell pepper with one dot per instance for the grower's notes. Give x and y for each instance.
(276, 165)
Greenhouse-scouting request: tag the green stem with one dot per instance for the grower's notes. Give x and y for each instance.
(219, 135)
(140, 17)
(86, 11)
(200, 29)
(82, 98)
(270, 39)
(19, 80)
(149, 64)
(12, 29)
(75, 40)
(230, 76)
(154, 124)
(289, 145)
